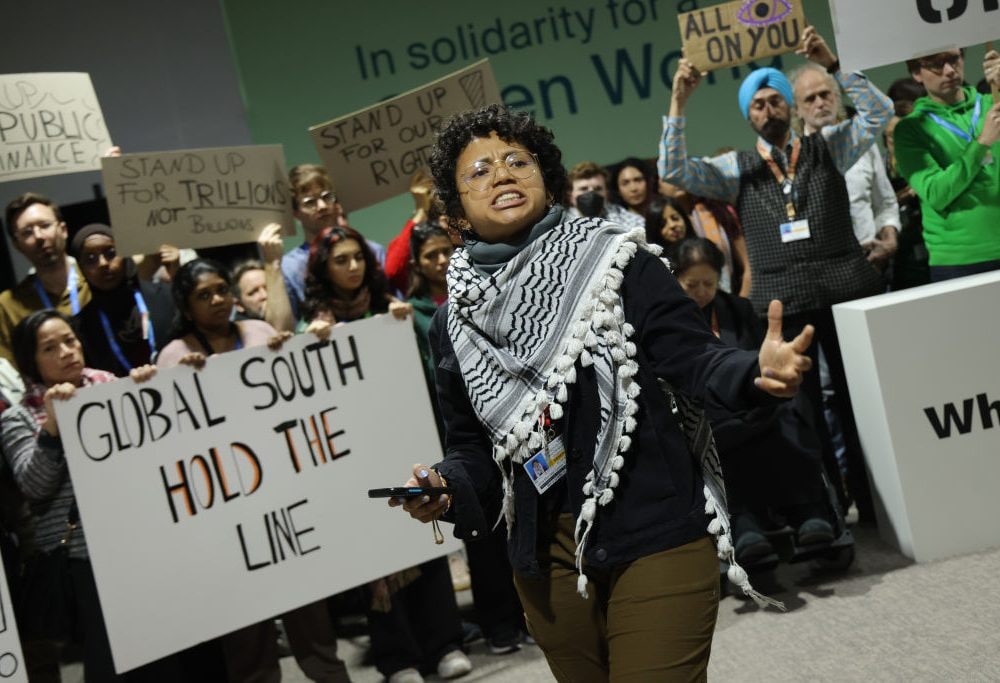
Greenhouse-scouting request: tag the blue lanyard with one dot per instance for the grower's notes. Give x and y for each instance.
(74, 296)
(955, 129)
(147, 332)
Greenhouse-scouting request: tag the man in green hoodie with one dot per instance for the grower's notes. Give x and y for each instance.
(947, 150)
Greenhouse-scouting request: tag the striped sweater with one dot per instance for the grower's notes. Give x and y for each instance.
(38, 464)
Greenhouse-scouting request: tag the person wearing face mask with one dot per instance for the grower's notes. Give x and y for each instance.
(791, 197)
(37, 230)
(588, 196)
(128, 319)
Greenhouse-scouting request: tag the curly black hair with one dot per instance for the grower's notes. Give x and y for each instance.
(320, 290)
(510, 126)
(615, 196)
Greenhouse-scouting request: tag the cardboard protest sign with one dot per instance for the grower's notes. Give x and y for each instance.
(217, 499)
(196, 197)
(50, 123)
(742, 31)
(11, 658)
(918, 28)
(372, 153)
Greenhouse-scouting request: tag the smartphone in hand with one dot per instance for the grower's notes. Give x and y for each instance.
(408, 491)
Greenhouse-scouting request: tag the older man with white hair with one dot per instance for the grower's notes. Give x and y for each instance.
(874, 210)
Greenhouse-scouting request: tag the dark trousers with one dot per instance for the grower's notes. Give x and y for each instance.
(498, 609)
(649, 620)
(252, 652)
(942, 273)
(779, 467)
(421, 627)
(856, 480)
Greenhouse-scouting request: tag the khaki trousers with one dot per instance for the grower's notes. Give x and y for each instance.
(650, 620)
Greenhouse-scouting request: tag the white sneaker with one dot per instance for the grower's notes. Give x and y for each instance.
(409, 675)
(454, 664)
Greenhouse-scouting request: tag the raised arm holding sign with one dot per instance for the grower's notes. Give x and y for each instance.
(738, 32)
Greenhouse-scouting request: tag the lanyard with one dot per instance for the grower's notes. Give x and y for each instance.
(74, 296)
(147, 332)
(955, 129)
(784, 180)
(209, 351)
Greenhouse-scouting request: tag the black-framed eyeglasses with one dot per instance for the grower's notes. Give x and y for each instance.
(937, 63)
(479, 176)
(310, 204)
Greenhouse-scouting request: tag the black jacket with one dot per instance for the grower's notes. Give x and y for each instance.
(124, 318)
(659, 502)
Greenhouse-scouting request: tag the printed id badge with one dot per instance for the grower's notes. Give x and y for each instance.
(793, 231)
(547, 466)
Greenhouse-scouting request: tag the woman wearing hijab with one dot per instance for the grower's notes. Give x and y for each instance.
(128, 319)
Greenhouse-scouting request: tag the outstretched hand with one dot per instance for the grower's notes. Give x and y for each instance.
(782, 364)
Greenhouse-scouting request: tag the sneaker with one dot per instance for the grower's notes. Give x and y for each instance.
(454, 664)
(527, 638)
(814, 531)
(409, 675)
(505, 643)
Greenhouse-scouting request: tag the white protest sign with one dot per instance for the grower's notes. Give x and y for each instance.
(372, 153)
(918, 28)
(925, 387)
(196, 197)
(11, 658)
(216, 499)
(50, 123)
(738, 32)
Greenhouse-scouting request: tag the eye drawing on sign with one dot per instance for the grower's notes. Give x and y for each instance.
(763, 12)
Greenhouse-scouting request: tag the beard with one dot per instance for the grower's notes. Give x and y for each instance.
(774, 131)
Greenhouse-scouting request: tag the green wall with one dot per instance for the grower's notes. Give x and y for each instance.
(603, 90)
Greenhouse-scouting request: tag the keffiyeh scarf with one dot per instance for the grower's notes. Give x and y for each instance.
(518, 331)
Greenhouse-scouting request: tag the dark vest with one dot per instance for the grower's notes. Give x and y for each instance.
(809, 274)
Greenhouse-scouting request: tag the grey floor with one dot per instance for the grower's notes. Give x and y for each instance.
(885, 619)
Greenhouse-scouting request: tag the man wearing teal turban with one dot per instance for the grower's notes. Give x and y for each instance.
(792, 200)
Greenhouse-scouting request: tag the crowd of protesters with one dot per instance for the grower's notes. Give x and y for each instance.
(813, 215)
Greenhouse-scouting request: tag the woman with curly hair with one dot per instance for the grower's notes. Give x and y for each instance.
(552, 344)
(633, 185)
(344, 281)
